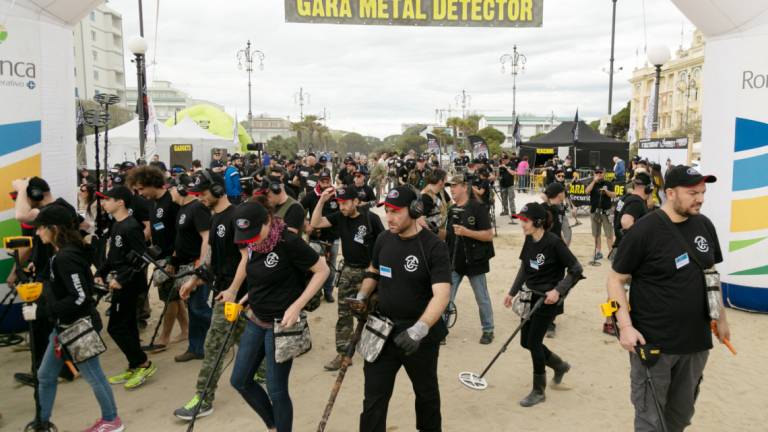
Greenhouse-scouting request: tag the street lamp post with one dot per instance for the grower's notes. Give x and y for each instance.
(138, 46)
(686, 83)
(301, 98)
(246, 56)
(610, 79)
(657, 56)
(463, 100)
(516, 62)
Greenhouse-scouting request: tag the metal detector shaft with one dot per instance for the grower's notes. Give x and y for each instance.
(350, 352)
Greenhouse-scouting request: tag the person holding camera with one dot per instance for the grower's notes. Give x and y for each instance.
(126, 281)
(409, 269)
(68, 298)
(547, 269)
(327, 235)
(600, 202)
(469, 236)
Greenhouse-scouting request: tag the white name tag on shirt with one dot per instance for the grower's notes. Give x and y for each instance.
(682, 261)
(385, 271)
(159, 226)
(534, 265)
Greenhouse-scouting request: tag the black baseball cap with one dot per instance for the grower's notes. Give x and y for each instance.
(599, 169)
(53, 215)
(642, 178)
(685, 176)
(118, 180)
(202, 182)
(421, 159)
(346, 193)
(399, 197)
(184, 181)
(118, 193)
(531, 212)
(324, 174)
(554, 189)
(321, 159)
(249, 217)
(127, 165)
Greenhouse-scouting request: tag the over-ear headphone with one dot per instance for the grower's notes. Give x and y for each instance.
(275, 186)
(416, 207)
(217, 190)
(538, 223)
(35, 193)
(181, 188)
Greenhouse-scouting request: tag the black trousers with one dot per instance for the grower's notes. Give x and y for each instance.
(532, 339)
(123, 327)
(421, 368)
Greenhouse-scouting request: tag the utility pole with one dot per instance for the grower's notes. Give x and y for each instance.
(610, 79)
(245, 57)
(516, 62)
(464, 100)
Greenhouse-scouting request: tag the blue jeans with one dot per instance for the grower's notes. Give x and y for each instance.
(328, 286)
(480, 288)
(275, 408)
(199, 319)
(48, 376)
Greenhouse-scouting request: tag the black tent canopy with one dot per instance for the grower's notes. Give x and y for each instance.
(590, 150)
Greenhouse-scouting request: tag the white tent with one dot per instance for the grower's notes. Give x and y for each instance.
(202, 141)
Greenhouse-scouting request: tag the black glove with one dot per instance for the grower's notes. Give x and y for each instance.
(408, 345)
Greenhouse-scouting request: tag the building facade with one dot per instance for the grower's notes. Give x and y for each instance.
(166, 99)
(680, 92)
(263, 128)
(530, 126)
(99, 66)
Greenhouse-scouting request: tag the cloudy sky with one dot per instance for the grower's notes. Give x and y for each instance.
(372, 79)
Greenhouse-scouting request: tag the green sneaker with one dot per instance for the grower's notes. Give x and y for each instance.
(140, 375)
(121, 378)
(188, 410)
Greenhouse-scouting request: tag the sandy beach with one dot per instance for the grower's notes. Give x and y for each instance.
(593, 397)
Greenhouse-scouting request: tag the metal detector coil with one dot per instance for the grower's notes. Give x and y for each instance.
(29, 292)
(19, 242)
(232, 311)
(473, 381)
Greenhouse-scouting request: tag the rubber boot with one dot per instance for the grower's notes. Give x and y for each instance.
(559, 366)
(536, 395)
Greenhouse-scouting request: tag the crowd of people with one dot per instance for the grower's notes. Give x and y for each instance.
(280, 235)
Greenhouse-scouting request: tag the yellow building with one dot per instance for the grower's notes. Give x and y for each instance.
(680, 91)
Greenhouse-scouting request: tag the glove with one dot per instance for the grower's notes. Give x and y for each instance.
(29, 311)
(359, 308)
(410, 339)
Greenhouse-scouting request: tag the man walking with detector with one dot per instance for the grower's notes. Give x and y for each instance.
(667, 255)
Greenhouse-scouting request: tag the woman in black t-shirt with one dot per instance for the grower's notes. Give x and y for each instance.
(543, 264)
(278, 260)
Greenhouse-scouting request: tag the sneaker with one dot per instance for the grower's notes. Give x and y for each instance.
(598, 256)
(609, 329)
(335, 364)
(140, 376)
(329, 298)
(121, 378)
(551, 330)
(260, 377)
(187, 411)
(102, 425)
(187, 356)
(487, 338)
(24, 379)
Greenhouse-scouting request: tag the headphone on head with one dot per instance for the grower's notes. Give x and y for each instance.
(35, 193)
(217, 190)
(181, 188)
(538, 223)
(416, 207)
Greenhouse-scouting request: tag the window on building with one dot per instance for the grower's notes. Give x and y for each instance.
(95, 55)
(93, 16)
(96, 75)
(118, 41)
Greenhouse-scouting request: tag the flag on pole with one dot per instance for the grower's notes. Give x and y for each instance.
(632, 134)
(235, 141)
(575, 130)
(153, 126)
(516, 132)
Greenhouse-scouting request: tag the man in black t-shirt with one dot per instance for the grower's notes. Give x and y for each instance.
(325, 235)
(226, 263)
(668, 305)
(600, 196)
(193, 223)
(469, 236)
(218, 165)
(555, 205)
(631, 207)
(364, 192)
(507, 186)
(284, 206)
(358, 231)
(409, 268)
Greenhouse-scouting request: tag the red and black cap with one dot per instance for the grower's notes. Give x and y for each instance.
(685, 176)
(249, 217)
(531, 212)
(399, 197)
(346, 193)
(118, 193)
(53, 215)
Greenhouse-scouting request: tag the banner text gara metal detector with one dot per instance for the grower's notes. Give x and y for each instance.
(478, 382)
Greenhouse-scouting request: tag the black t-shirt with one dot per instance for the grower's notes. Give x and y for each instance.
(276, 279)
(632, 205)
(568, 170)
(225, 253)
(544, 263)
(346, 177)
(668, 302)
(475, 217)
(309, 202)
(402, 174)
(140, 208)
(216, 163)
(365, 194)
(162, 220)
(125, 236)
(407, 270)
(599, 200)
(505, 178)
(558, 212)
(461, 161)
(357, 236)
(484, 185)
(193, 218)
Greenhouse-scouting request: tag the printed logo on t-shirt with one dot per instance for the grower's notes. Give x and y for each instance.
(182, 219)
(701, 244)
(540, 258)
(271, 260)
(362, 230)
(334, 205)
(130, 212)
(471, 220)
(411, 263)
(221, 231)
(118, 241)
(159, 213)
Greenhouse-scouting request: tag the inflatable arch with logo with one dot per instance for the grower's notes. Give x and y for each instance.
(735, 140)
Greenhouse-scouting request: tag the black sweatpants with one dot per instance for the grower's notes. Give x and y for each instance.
(532, 339)
(123, 327)
(421, 368)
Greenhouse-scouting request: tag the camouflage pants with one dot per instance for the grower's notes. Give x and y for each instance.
(349, 284)
(214, 340)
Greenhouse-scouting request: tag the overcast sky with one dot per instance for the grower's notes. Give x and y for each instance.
(372, 79)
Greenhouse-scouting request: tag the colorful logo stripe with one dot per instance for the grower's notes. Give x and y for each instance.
(17, 136)
(749, 214)
(750, 173)
(750, 134)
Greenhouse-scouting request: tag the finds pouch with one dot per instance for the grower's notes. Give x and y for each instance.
(374, 336)
(292, 341)
(81, 340)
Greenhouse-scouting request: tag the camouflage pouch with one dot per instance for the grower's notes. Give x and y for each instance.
(292, 341)
(81, 340)
(521, 305)
(374, 336)
(182, 280)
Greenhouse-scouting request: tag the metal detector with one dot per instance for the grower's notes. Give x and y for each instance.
(478, 382)
(450, 315)
(14, 244)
